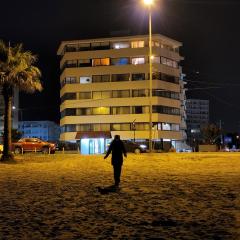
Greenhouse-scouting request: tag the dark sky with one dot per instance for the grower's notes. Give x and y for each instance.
(209, 30)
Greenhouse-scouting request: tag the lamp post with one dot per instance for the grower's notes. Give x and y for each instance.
(149, 4)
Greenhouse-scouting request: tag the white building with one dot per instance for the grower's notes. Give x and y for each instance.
(197, 117)
(105, 91)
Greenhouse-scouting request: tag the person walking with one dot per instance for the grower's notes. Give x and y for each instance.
(117, 149)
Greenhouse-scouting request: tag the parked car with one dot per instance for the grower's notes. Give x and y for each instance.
(33, 145)
(134, 147)
(1, 148)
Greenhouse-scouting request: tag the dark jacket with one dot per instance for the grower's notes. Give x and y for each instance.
(118, 150)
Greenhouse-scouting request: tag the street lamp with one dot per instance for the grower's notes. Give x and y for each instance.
(149, 4)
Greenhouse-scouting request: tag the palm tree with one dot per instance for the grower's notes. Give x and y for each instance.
(16, 70)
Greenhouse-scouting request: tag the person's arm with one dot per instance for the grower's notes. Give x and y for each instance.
(108, 151)
(124, 150)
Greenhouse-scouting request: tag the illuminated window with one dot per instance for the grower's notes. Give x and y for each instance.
(155, 59)
(101, 62)
(119, 45)
(139, 60)
(137, 44)
(101, 111)
(166, 126)
(169, 62)
(155, 43)
(119, 61)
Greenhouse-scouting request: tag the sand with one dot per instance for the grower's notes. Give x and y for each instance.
(162, 196)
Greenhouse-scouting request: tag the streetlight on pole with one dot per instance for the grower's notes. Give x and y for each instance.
(149, 4)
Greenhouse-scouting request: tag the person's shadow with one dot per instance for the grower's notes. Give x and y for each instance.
(107, 190)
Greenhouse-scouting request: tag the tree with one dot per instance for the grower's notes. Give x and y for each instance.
(210, 133)
(16, 135)
(16, 70)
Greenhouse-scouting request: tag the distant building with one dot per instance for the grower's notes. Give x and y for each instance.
(15, 105)
(46, 130)
(105, 91)
(197, 117)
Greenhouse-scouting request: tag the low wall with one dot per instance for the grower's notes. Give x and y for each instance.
(208, 148)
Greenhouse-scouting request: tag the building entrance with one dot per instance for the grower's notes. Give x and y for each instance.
(92, 146)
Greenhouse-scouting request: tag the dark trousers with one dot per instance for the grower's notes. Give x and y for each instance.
(117, 173)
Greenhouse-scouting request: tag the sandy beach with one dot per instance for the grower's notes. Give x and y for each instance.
(162, 196)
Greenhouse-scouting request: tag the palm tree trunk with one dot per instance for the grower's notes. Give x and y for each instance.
(7, 135)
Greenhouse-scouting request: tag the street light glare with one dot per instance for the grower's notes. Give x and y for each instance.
(148, 2)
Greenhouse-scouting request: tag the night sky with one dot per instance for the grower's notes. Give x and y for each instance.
(208, 29)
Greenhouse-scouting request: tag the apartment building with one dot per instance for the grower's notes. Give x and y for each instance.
(105, 91)
(197, 116)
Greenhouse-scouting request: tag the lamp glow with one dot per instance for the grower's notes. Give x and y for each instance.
(148, 2)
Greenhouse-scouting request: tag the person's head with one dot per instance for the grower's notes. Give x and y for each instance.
(117, 137)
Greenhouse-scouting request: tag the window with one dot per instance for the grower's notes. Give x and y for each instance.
(155, 43)
(140, 109)
(69, 80)
(166, 110)
(102, 95)
(142, 126)
(121, 94)
(84, 63)
(68, 112)
(140, 93)
(100, 62)
(138, 76)
(120, 77)
(71, 63)
(166, 94)
(68, 96)
(84, 127)
(71, 48)
(100, 45)
(68, 128)
(100, 78)
(121, 127)
(175, 127)
(120, 110)
(137, 44)
(84, 112)
(84, 95)
(101, 111)
(169, 62)
(166, 127)
(119, 45)
(86, 79)
(84, 46)
(155, 59)
(138, 60)
(119, 61)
